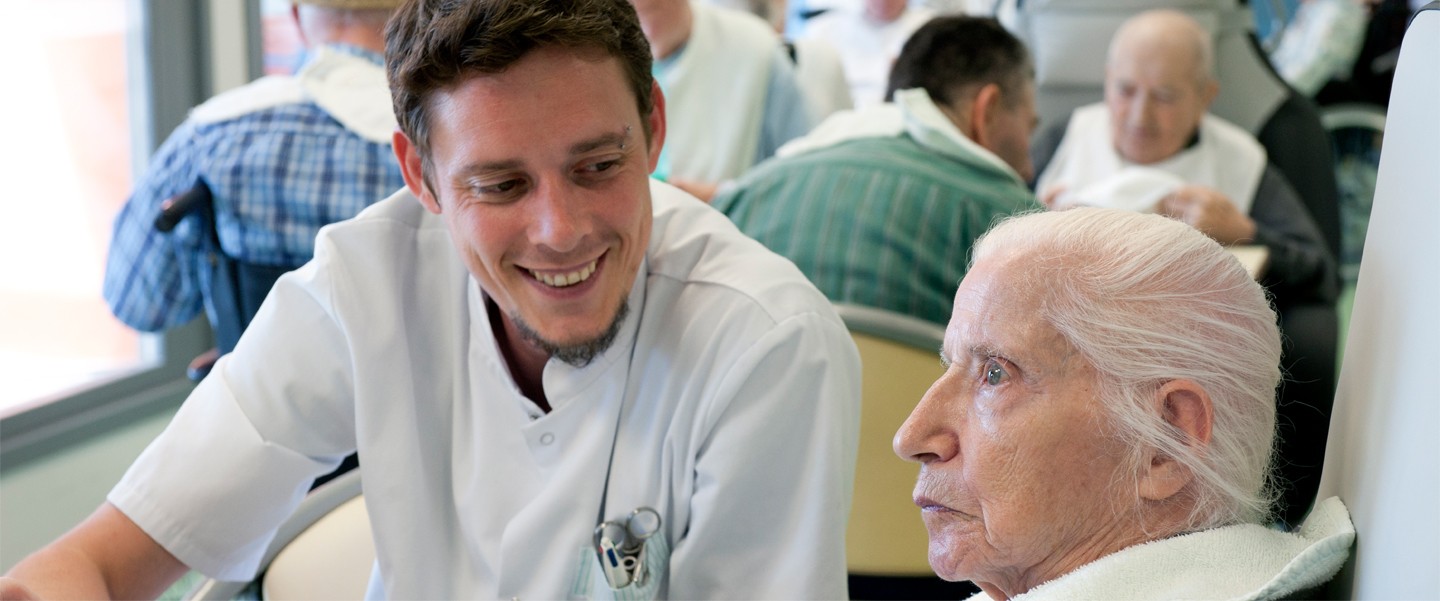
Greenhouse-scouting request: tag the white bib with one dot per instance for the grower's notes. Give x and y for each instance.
(349, 88)
(1092, 173)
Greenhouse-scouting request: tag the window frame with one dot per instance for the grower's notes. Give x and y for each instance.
(173, 63)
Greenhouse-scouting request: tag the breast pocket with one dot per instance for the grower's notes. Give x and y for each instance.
(590, 582)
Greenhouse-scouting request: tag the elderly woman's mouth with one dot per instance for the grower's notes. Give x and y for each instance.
(927, 504)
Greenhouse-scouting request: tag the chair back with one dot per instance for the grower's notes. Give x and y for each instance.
(1383, 456)
(324, 550)
(331, 559)
(899, 357)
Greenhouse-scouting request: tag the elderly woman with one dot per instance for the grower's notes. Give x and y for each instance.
(1105, 421)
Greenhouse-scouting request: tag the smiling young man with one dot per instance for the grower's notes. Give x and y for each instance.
(532, 338)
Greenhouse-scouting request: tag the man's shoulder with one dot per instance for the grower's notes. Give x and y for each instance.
(265, 93)
(697, 252)
(896, 159)
(1229, 134)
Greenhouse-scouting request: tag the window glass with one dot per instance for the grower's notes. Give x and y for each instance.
(68, 166)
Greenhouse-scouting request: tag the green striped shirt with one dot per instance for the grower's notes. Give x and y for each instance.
(880, 222)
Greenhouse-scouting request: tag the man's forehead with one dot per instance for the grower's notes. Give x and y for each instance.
(484, 105)
(1155, 59)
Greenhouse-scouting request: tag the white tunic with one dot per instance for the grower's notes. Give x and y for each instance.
(739, 388)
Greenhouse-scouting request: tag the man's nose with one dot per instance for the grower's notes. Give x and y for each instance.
(559, 218)
(1141, 109)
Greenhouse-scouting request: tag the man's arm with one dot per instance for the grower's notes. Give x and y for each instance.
(106, 557)
(151, 277)
(786, 115)
(1301, 268)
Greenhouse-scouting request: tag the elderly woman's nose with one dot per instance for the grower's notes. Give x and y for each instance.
(926, 436)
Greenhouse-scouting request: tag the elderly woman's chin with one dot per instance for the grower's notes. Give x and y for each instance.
(955, 539)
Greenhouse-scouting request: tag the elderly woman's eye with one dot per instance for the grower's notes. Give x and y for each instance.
(995, 373)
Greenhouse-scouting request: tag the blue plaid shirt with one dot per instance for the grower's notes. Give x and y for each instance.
(277, 175)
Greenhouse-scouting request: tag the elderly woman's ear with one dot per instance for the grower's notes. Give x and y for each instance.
(1185, 405)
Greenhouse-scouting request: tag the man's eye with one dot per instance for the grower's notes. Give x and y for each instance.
(600, 166)
(995, 374)
(501, 187)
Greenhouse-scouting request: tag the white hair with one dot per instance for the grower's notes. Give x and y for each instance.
(1147, 300)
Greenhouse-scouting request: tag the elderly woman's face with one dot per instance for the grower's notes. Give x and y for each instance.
(1017, 479)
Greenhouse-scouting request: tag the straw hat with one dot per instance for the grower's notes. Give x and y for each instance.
(352, 4)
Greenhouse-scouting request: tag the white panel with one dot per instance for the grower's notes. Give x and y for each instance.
(229, 48)
(1383, 457)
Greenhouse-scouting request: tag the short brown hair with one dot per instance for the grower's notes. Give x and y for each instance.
(433, 44)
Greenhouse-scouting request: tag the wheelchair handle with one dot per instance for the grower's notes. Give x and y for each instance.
(177, 207)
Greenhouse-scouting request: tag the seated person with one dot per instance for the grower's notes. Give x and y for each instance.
(875, 204)
(869, 35)
(1152, 146)
(282, 156)
(731, 93)
(1104, 425)
(532, 339)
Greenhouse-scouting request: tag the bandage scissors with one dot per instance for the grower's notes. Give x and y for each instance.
(620, 545)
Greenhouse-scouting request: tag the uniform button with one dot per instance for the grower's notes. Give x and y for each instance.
(547, 439)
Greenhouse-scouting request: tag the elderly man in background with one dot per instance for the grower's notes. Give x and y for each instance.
(731, 94)
(282, 156)
(875, 204)
(1152, 146)
(1104, 425)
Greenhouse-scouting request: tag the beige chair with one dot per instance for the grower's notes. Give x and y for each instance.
(323, 551)
(900, 358)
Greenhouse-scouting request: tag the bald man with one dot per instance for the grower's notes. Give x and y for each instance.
(1152, 146)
